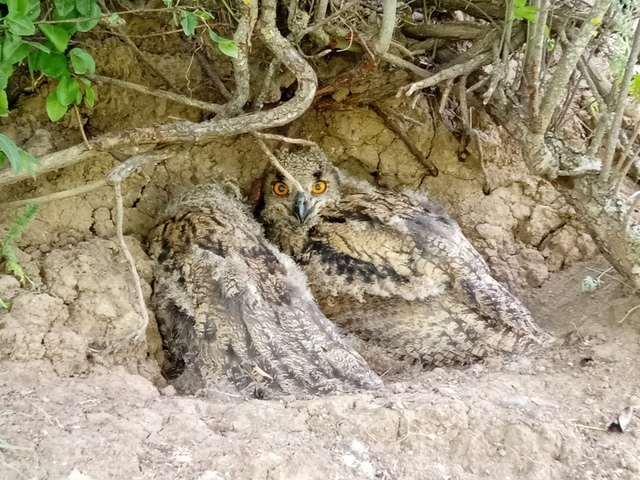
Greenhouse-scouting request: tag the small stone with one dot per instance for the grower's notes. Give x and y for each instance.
(169, 391)
(515, 401)
(502, 452)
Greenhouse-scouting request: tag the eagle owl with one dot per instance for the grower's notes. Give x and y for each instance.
(393, 268)
(235, 312)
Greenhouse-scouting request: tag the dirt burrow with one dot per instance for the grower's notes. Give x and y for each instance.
(81, 411)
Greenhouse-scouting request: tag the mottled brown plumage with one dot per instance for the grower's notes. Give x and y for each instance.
(233, 310)
(391, 267)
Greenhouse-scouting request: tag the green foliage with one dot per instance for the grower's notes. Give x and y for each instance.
(18, 158)
(523, 12)
(634, 89)
(6, 305)
(8, 258)
(40, 37)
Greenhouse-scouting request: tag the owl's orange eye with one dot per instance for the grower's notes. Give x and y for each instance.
(281, 189)
(319, 187)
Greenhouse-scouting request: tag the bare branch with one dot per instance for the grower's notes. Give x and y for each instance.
(266, 85)
(450, 30)
(387, 27)
(276, 163)
(616, 122)
(242, 37)
(533, 58)
(174, 97)
(448, 73)
(567, 64)
(213, 74)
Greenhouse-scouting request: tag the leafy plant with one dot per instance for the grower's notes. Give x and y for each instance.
(8, 258)
(68, 67)
(523, 12)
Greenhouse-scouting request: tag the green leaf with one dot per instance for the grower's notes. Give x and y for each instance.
(10, 150)
(84, 6)
(33, 11)
(64, 7)
(230, 49)
(18, 6)
(521, 12)
(67, 91)
(14, 50)
(89, 96)
(55, 109)
(81, 61)
(189, 21)
(78, 99)
(70, 27)
(19, 24)
(53, 64)
(4, 104)
(4, 79)
(89, 24)
(217, 38)
(56, 35)
(4, 304)
(28, 162)
(39, 46)
(634, 88)
(115, 19)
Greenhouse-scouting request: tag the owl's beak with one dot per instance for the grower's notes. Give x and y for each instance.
(301, 207)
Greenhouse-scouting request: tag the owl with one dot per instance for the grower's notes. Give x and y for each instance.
(391, 267)
(235, 313)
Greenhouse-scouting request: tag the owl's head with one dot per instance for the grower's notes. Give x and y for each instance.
(287, 207)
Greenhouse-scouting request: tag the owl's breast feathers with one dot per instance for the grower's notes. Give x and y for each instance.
(381, 243)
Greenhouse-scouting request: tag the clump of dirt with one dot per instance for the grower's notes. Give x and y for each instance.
(83, 313)
(536, 417)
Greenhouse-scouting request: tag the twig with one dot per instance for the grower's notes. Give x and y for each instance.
(603, 116)
(323, 21)
(132, 264)
(486, 186)
(395, 127)
(141, 55)
(464, 115)
(266, 85)
(448, 73)
(281, 138)
(274, 161)
(616, 122)
(533, 60)
(567, 64)
(588, 427)
(213, 74)
(387, 27)
(242, 75)
(629, 312)
(445, 95)
(402, 63)
(86, 188)
(622, 174)
(84, 135)
(206, 106)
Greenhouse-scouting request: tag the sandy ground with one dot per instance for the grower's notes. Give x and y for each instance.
(539, 416)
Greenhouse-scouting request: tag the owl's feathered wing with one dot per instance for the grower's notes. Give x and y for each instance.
(398, 270)
(232, 309)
